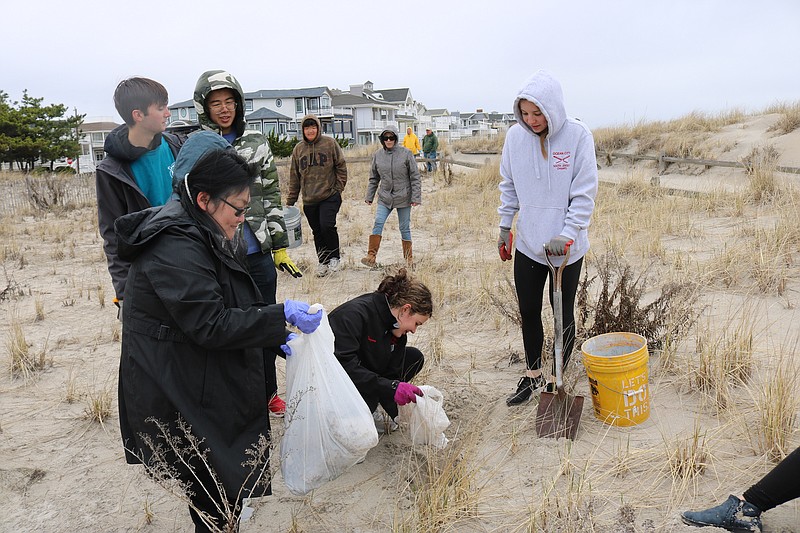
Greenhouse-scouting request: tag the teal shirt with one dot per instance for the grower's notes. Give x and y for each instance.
(152, 173)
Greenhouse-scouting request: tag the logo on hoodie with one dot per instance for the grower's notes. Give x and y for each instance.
(561, 160)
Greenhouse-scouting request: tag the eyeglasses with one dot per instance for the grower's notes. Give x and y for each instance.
(388, 138)
(238, 211)
(217, 106)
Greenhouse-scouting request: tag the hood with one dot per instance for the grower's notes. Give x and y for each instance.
(391, 129)
(118, 145)
(545, 92)
(135, 231)
(196, 146)
(212, 80)
(319, 128)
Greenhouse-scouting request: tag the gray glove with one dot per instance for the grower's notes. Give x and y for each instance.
(504, 243)
(558, 245)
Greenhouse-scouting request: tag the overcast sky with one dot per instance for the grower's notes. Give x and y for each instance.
(619, 61)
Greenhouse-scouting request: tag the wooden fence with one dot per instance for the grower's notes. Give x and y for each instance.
(664, 160)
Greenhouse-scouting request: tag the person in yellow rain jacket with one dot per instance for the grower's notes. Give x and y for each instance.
(411, 141)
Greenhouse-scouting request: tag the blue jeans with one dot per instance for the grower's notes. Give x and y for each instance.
(403, 218)
(431, 164)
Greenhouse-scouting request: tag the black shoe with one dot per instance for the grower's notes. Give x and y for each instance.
(525, 388)
(734, 515)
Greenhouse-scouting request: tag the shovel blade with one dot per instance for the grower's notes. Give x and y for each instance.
(558, 415)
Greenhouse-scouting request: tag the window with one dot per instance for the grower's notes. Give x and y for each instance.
(248, 105)
(269, 127)
(282, 128)
(298, 105)
(293, 126)
(254, 126)
(326, 127)
(173, 115)
(312, 104)
(347, 126)
(97, 137)
(193, 115)
(325, 102)
(278, 102)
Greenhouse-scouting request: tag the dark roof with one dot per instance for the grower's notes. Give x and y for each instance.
(262, 113)
(287, 93)
(432, 112)
(88, 127)
(393, 95)
(185, 103)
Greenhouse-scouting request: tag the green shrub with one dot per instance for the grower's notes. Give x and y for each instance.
(281, 146)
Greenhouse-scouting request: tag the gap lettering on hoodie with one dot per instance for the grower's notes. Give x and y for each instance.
(561, 160)
(317, 160)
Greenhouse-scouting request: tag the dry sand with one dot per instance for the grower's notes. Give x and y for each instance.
(60, 472)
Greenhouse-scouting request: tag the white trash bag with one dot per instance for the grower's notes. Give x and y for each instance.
(426, 419)
(329, 427)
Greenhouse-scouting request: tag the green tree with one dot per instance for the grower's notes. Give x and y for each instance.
(281, 146)
(30, 132)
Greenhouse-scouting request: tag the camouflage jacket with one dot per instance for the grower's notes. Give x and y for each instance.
(266, 211)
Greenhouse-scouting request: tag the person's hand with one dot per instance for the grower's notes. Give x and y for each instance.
(297, 314)
(504, 243)
(368, 202)
(118, 303)
(558, 245)
(283, 262)
(406, 392)
(285, 347)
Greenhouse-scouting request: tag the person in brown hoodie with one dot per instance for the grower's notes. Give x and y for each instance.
(319, 170)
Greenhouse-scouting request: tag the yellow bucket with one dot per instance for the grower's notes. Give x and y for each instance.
(616, 364)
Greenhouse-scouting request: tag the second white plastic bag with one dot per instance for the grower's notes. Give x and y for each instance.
(329, 427)
(426, 418)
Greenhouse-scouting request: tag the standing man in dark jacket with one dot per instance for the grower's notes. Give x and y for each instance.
(136, 172)
(430, 144)
(319, 170)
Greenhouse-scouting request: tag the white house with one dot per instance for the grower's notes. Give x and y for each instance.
(369, 116)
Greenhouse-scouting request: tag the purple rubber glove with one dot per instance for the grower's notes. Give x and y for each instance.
(406, 392)
(285, 347)
(297, 314)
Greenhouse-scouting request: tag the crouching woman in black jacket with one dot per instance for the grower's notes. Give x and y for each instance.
(371, 334)
(192, 373)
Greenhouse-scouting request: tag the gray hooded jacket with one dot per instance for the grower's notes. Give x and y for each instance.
(394, 176)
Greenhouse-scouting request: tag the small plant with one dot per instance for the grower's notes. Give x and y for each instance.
(24, 363)
(620, 305)
(688, 457)
(777, 407)
(38, 304)
(99, 402)
(761, 163)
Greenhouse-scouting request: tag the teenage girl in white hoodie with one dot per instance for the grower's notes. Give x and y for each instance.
(549, 178)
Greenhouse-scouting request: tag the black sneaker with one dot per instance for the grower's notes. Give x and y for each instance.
(734, 515)
(525, 388)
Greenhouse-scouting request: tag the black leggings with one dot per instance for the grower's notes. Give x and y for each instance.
(780, 485)
(529, 278)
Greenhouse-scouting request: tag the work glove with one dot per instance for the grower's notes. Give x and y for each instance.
(283, 262)
(558, 245)
(297, 314)
(406, 392)
(504, 243)
(285, 347)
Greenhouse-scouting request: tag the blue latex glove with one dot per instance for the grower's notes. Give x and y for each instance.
(297, 314)
(285, 347)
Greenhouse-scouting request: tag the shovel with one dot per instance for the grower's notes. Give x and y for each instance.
(559, 413)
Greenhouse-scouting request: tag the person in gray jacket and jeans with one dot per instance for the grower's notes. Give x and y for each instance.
(395, 177)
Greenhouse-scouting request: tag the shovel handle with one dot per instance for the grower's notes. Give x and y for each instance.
(558, 317)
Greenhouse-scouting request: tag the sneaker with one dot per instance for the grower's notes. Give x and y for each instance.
(525, 388)
(335, 265)
(322, 270)
(383, 422)
(277, 407)
(734, 515)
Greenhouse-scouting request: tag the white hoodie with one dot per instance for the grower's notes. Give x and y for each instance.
(554, 195)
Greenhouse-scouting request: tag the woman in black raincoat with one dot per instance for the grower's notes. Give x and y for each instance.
(192, 371)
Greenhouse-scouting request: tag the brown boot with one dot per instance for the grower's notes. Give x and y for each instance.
(407, 254)
(372, 252)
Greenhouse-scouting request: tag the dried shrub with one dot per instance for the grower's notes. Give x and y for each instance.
(45, 192)
(620, 304)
